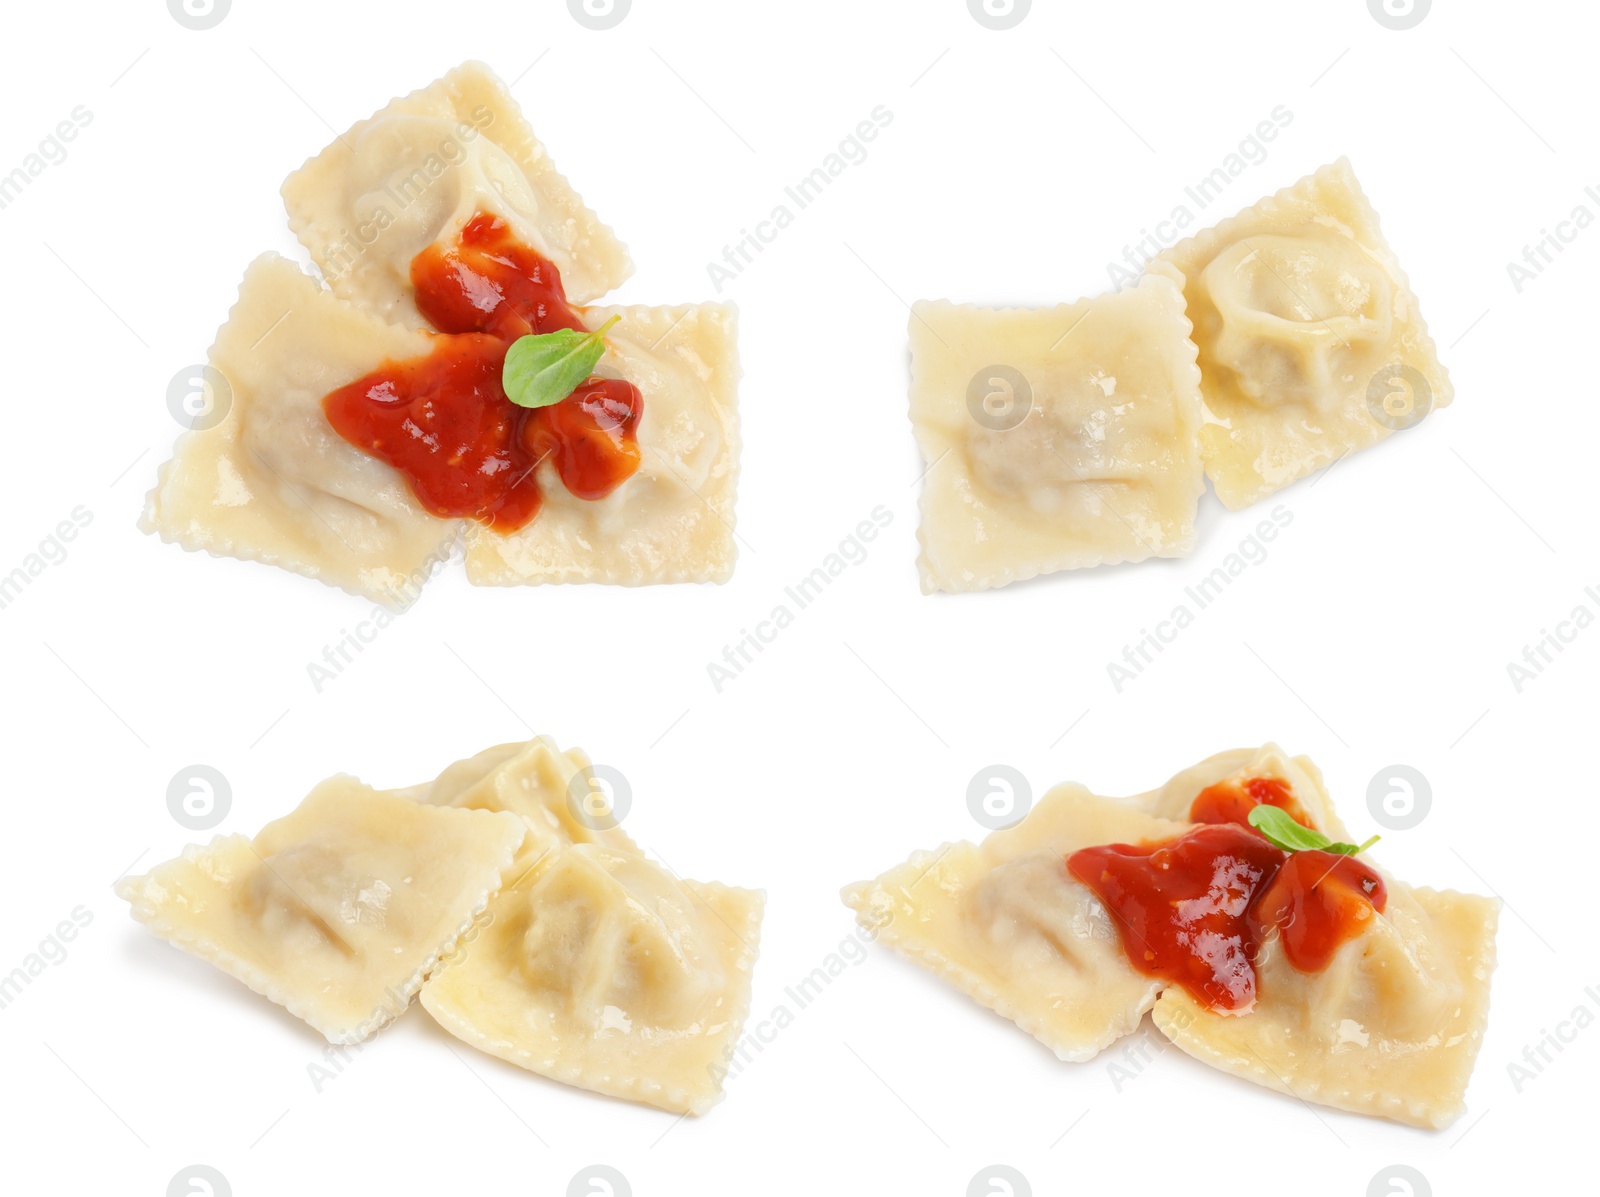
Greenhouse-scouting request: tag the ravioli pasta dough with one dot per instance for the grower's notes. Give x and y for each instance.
(1006, 923)
(1054, 438)
(413, 174)
(672, 521)
(1311, 342)
(534, 927)
(598, 968)
(602, 970)
(273, 482)
(338, 911)
(1265, 348)
(361, 442)
(1391, 1026)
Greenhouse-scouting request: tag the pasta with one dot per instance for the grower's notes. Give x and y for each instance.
(673, 520)
(505, 892)
(338, 911)
(604, 971)
(1311, 342)
(414, 173)
(599, 968)
(1380, 1015)
(1049, 447)
(273, 482)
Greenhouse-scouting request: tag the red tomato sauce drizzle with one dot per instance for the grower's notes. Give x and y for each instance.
(1196, 909)
(443, 420)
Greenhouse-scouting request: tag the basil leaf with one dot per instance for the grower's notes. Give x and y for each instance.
(1352, 849)
(547, 367)
(1283, 832)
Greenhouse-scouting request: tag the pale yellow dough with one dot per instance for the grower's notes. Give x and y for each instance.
(1390, 1028)
(414, 173)
(1303, 318)
(1054, 438)
(599, 968)
(673, 520)
(273, 482)
(339, 910)
(602, 970)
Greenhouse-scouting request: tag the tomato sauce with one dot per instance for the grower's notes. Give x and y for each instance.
(1195, 910)
(443, 420)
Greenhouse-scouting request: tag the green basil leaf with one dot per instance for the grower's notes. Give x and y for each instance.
(1283, 832)
(1352, 849)
(547, 367)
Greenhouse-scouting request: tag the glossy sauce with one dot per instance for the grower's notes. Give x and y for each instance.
(443, 420)
(1195, 910)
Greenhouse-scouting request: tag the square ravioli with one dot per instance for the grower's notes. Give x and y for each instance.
(338, 911)
(599, 969)
(673, 520)
(413, 174)
(263, 476)
(1004, 922)
(553, 792)
(1054, 438)
(1390, 1027)
(1311, 342)
(1389, 1024)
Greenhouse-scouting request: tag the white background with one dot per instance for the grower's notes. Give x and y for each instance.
(1016, 166)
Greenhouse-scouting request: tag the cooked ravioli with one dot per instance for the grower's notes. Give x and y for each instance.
(1391, 1027)
(673, 520)
(602, 970)
(1004, 922)
(535, 780)
(1173, 800)
(413, 174)
(1054, 438)
(339, 910)
(1311, 342)
(272, 481)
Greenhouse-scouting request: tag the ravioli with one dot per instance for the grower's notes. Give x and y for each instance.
(535, 780)
(1391, 1026)
(1006, 924)
(1173, 800)
(602, 970)
(1054, 438)
(1311, 342)
(339, 910)
(599, 968)
(414, 173)
(272, 481)
(673, 520)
